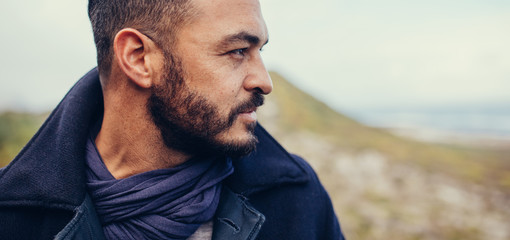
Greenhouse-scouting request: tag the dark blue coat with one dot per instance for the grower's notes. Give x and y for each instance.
(271, 195)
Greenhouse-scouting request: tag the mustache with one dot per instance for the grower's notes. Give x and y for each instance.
(256, 100)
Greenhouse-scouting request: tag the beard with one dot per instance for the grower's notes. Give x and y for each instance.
(190, 123)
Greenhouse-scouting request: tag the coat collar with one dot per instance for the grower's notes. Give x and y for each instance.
(270, 165)
(50, 170)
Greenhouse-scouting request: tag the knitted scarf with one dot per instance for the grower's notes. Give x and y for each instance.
(160, 204)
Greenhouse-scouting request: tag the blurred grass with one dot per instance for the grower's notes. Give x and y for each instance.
(15, 131)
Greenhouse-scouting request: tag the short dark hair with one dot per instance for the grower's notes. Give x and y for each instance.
(157, 19)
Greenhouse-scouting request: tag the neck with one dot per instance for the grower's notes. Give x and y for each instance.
(130, 143)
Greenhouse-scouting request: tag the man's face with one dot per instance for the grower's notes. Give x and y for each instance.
(206, 99)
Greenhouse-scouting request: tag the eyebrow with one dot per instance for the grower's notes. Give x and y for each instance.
(241, 37)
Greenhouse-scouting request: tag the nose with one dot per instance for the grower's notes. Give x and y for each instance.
(258, 78)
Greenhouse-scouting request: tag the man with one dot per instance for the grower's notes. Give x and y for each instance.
(161, 141)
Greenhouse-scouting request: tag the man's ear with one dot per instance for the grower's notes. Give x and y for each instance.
(137, 56)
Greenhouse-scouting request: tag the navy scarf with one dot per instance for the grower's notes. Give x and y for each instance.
(159, 204)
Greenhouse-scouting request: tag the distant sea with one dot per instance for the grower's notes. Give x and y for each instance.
(478, 124)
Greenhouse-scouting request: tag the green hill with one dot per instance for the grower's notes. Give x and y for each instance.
(298, 111)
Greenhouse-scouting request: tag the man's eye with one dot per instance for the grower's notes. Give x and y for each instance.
(240, 52)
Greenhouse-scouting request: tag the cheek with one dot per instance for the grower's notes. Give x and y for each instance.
(222, 86)
(216, 80)
(226, 98)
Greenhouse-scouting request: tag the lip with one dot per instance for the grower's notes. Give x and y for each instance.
(250, 115)
(249, 110)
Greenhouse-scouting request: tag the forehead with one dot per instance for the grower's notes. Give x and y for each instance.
(215, 19)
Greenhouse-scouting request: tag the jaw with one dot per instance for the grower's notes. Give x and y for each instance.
(240, 133)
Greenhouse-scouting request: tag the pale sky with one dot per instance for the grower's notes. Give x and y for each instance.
(351, 54)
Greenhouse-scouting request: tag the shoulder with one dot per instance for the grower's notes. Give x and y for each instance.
(308, 191)
(299, 210)
(269, 166)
